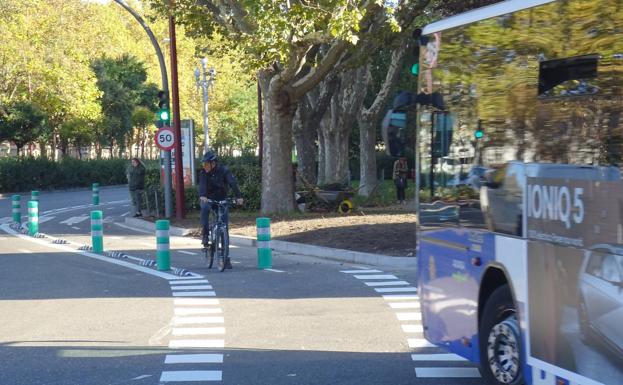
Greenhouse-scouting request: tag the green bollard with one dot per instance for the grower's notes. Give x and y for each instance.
(33, 217)
(17, 208)
(34, 195)
(97, 231)
(264, 253)
(96, 194)
(163, 253)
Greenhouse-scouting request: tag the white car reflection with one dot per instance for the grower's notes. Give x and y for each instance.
(601, 297)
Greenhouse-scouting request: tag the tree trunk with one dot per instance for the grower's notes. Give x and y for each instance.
(44, 150)
(279, 110)
(305, 134)
(322, 154)
(367, 157)
(345, 106)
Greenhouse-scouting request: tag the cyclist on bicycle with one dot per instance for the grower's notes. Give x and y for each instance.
(214, 182)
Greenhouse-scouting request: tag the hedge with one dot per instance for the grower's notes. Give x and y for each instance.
(24, 174)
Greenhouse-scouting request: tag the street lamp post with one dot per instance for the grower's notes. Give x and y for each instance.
(209, 76)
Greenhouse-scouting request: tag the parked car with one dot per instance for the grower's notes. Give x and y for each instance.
(600, 290)
(474, 178)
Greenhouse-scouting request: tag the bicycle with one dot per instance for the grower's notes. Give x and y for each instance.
(219, 235)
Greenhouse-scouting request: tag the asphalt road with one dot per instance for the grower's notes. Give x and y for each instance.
(71, 317)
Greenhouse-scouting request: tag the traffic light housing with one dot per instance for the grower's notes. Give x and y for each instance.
(163, 117)
(479, 133)
(413, 58)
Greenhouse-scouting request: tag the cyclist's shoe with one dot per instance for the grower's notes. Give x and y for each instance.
(228, 263)
(205, 239)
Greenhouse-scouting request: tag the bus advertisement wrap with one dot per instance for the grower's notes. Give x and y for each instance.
(575, 276)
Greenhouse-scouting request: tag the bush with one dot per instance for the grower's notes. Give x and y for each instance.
(23, 174)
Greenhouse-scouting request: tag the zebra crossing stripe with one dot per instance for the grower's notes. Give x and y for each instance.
(192, 287)
(191, 375)
(447, 372)
(404, 305)
(194, 294)
(179, 344)
(193, 359)
(419, 343)
(196, 311)
(409, 316)
(413, 328)
(360, 271)
(198, 320)
(195, 301)
(392, 297)
(396, 289)
(437, 357)
(197, 331)
(387, 283)
(376, 276)
(188, 281)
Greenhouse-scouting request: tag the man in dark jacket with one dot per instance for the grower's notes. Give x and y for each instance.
(136, 184)
(214, 182)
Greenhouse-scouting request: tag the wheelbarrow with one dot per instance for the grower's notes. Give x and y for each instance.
(326, 200)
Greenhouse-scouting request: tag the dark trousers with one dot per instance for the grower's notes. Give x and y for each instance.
(401, 186)
(137, 199)
(205, 215)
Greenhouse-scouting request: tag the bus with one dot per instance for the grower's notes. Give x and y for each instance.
(520, 270)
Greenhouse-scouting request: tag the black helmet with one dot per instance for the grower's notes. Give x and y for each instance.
(209, 156)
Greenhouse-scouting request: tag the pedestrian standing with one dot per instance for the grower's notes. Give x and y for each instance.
(136, 184)
(400, 178)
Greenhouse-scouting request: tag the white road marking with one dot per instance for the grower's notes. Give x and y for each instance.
(447, 372)
(192, 287)
(141, 377)
(198, 320)
(381, 276)
(193, 359)
(360, 271)
(195, 301)
(275, 270)
(25, 251)
(194, 294)
(396, 289)
(175, 344)
(197, 331)
(44, 219)
(413, 328)
(188, 282)
(196, 310)
(75, 220)
(419, 343)
(126, 214)
(437, 357)
(114, 237)
(191, 375)
(405, 305)
(186, 252)
(409, 316)
(387, 283)
(394, 297)
(133, 228)
(75, 228)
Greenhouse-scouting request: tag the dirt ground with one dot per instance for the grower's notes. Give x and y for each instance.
(388, 230)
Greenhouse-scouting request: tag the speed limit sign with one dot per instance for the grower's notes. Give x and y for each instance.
(165, 140)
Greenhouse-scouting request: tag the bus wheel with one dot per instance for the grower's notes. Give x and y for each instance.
(500, 340)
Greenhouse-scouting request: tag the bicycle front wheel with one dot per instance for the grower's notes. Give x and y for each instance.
(222, 248)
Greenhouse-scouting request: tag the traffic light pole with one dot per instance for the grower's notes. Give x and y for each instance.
(177, 126)
(168, 207)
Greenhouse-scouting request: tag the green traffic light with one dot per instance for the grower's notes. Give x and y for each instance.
(479, 134)
(415, 69)
(164, 115)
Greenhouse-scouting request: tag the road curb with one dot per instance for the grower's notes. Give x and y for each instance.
(296, 248)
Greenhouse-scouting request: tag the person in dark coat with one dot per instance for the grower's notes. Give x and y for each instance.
(215, 180)
(136, 184)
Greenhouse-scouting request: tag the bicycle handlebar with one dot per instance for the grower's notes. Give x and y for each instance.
(225, 202)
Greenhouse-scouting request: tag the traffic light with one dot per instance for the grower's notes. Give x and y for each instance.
(479, 133)
(163, 117)
(413, 59)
